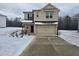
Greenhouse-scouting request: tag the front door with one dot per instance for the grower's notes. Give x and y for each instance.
(32, 29)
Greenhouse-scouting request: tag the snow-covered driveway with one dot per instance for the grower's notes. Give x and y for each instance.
(12, 46)
(70, 36)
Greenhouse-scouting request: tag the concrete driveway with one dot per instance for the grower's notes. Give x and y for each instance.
(54, 46)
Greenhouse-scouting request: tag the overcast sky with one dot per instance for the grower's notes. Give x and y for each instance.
(16, 9)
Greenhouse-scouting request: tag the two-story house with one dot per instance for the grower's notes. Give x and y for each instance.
(42, 22)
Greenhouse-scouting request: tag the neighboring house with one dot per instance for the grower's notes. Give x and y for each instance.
(2, 20)
(42, 22)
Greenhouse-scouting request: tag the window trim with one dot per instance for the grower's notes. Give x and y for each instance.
(49, 14)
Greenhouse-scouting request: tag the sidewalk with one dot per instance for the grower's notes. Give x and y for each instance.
(70, 36)
(54, 46)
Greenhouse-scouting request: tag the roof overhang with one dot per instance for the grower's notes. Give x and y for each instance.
(40, 23)
(26, 21)
(27, 11)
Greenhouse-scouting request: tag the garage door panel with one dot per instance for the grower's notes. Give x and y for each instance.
(46, 30)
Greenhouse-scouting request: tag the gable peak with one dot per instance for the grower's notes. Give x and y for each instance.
(50, 6)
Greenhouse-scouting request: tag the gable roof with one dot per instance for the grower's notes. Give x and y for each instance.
(49, 5)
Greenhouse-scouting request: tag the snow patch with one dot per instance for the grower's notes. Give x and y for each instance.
(70, 36)
(12, 46)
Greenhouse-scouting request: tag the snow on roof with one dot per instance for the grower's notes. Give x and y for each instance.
(40, 23)
(3, 15)
(26, 21)
(55, 23)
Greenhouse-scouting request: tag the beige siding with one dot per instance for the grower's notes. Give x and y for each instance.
(46, 30)
(42, 16)
(27, 29)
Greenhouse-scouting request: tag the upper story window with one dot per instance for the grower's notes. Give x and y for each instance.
(29, 16)
(37, 15)
(49, 14)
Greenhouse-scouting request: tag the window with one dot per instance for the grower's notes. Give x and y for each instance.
(37, 15)
(48, 14)
(29, 16)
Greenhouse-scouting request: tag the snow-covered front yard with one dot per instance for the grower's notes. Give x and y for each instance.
(70, 36)
(12, 46)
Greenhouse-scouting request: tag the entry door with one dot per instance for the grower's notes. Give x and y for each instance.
(32, 29)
